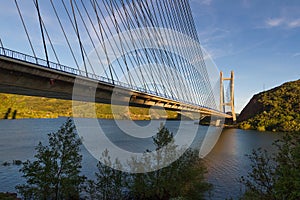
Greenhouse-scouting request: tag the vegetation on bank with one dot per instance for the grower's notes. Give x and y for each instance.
(275, 110)
(19, 106)
(275, 176)
(56, 172)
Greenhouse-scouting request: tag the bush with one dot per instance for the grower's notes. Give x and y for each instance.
(245, 126)
(261, 128)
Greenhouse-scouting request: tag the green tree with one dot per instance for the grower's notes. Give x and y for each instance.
(259, 183)
(109, 183)
(183, 178)
(55, 174)
(275, 176)
(288, 167)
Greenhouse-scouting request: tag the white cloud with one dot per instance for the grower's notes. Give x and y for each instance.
(282, 22)
(274, 22)
(203, 2)
(213, 34)
(294, 23)
(206, 2)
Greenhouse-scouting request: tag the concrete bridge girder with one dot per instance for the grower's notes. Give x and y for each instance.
(19, 77)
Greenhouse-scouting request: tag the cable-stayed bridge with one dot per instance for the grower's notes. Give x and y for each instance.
(138, 52)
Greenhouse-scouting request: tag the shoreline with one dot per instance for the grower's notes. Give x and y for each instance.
(225, 126)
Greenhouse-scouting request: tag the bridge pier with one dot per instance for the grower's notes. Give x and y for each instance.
(223, 104)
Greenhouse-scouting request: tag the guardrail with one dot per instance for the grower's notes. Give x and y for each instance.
(43, 63)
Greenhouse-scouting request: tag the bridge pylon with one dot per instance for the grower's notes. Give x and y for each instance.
(223, 104)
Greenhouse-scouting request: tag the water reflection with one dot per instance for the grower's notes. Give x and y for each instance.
(227, 161)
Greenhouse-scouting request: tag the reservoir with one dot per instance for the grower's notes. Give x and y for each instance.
(226, 163)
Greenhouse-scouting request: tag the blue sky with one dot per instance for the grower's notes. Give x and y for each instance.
(259, 40)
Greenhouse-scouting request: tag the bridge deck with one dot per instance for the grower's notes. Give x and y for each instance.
(26, 75)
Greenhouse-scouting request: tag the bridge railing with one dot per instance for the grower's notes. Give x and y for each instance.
(43, 63)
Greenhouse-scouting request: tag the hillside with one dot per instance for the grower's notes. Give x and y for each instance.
(275, 110)
(19, 106)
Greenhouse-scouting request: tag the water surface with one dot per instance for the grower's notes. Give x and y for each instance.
(226, 162)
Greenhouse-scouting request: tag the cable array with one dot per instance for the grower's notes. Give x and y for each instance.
(128, 41)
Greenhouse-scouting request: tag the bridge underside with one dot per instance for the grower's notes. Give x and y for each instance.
(19, 77)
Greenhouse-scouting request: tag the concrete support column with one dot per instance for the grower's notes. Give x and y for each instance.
(222, 96)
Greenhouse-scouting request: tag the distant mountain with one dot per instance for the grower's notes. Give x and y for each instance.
(277, 109)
